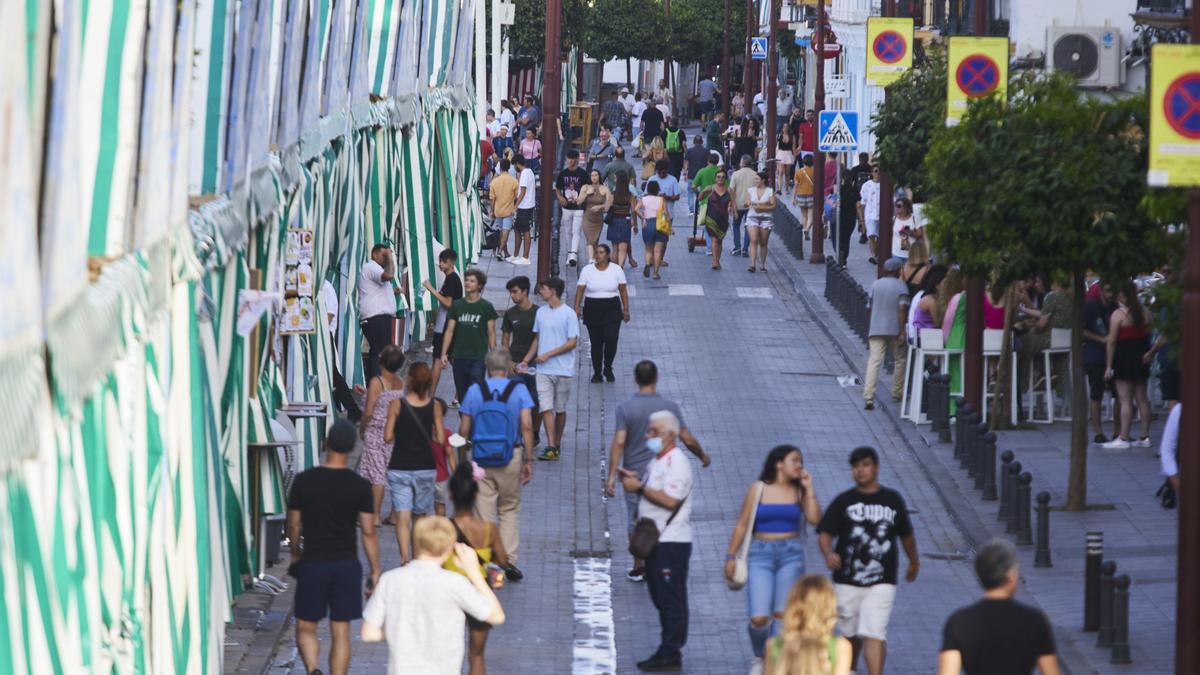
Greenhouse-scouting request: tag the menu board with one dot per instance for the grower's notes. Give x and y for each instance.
(299, 306)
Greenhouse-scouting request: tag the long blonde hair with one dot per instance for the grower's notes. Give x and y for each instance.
(807, 628)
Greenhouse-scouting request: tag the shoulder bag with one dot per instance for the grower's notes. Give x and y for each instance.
(662, 222)
(644, 538)
(741, 571)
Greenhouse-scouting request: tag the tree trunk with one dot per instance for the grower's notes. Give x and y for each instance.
(1077, 479)
(629, 73)
(1003, 379)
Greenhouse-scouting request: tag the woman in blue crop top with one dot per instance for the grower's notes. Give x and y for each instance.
(773, 515)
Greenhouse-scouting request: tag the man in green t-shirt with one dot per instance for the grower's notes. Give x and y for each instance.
(704, 179)
(470, 333)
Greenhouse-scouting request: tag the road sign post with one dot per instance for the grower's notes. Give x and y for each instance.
(837, 131)
(978, 67)
(890, 53)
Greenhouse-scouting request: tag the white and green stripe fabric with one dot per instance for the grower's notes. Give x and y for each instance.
(416, 145)
(569, 83)
(437, 41)
(210, 94)
(384, 18)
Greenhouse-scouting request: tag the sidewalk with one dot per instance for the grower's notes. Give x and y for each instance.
(1139, 535)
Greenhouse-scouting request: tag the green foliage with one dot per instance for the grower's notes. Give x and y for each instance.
(697, 30)
(788, 49)
(527, 35)
(905, 123)
(1050, 183)
(621, 29)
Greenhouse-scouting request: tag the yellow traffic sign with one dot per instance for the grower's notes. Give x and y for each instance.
(978, 68)
(889, 49)
(1174, 116)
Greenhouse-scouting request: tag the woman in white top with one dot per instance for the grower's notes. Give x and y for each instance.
(606, 305)
(656, 242)
(907, 227)
(760, 220)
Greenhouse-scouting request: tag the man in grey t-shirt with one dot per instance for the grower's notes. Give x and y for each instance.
(629, 442)
(888, 303)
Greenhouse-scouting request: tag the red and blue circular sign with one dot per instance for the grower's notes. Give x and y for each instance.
(889, 46)
(1181, 105)
(977, 75)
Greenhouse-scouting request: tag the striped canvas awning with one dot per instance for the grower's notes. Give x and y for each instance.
(384, 31)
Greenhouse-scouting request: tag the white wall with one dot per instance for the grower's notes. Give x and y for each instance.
(1030, 18)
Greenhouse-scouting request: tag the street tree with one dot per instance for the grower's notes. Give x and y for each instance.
(905, 123)
(626, 29)
(1051, 183)
(527, 35)
(697, 30)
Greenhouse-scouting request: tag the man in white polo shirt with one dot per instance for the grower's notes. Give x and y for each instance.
(377, 304)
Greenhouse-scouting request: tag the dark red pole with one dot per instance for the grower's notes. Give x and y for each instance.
(725, 65)
(887, 189)
(1187, 610)
(551, 114)
(750, 76)
(973, 349)
(818, 207)
(772, 89)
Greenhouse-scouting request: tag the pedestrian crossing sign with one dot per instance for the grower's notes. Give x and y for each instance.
(838, 130)
(758, 48)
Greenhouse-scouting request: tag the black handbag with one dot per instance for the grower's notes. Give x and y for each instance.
(1166, 495)
(644, 538)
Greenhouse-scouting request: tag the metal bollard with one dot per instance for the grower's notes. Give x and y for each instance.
(1108, 570)
(944, 408)
(1091, 581)
(1010, 525)
(1041, 557)
(1024, 526)
(968, 435)
(1120, 611)
(975, 461)
(1006, 460)
(960, 427)
(989, 467)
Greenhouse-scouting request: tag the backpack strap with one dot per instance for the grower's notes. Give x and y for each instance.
(485, 391)
(508, 390)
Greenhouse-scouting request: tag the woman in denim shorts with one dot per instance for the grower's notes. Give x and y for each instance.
(774, 511)
(413, 421)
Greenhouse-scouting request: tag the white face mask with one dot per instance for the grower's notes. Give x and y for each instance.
(654, 444)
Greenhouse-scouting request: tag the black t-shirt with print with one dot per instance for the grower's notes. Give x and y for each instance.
(866, 529)
(329, 501)
(998, 637)
(518, 323)
(569, 183)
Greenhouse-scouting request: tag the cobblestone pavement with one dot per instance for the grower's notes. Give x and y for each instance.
(753, 360)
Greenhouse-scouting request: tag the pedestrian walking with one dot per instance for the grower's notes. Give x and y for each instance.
(388, 386)
(740, 183)
(497, 415)
(760, 221)
(802, 195)
(445, 461)
(420, 609)
(1127, 343)
(552, 353)
(773, 517)
(997, 635)
(604, 293)
(326, 505)
(806, 644)
(630, 450)
(654, 153)
(1168, 448)
(568, 185)
(888, 303)
(694, 160)
(703, 177)
(868, 210)
(669, 189)
(484, 539)
(596, 200)
(413, 422)
(502, 205)
(612, 116)
(1097, 311)
(650, 206)
(377, 304)
(452, 290)
(516, 333)
(706, 98)
(531, 150)
(907, 228)
(523, 222)
(858, 536)
(635, 121)
(601, 151)
(621, 226)
(616, 166)
(470, 333)
(713, 131)
(653, 120)
(784, 159)
(508, 113)
(856, 177)
(675, 141)
(666, 500)
(718, 205)
(737, 104)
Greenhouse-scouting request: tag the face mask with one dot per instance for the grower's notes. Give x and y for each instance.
(654, 444)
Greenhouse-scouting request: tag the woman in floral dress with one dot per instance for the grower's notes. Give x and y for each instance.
(376, 452)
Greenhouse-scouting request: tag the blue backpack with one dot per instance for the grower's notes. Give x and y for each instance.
(491, 435)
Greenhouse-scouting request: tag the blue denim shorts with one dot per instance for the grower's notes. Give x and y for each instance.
(504, 222)
(412, 490)
(774, 567)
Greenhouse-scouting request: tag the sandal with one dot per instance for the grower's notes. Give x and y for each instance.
(717, 266)
(632, 264)
(657, 277)
(750, 269)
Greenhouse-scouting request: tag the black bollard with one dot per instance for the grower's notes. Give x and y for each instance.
(1006, 460)
(1108, 570)
(960, 426)
(1011, 523)
(944, 408)
(1024, 525)
(1091, 581)
(972, 419)
(989, 467)
(981, 454)
(1120, 611)
(1041, 558)
(976, 467)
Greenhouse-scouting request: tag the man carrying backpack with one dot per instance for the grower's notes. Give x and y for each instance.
(675, 141)
(497, 418)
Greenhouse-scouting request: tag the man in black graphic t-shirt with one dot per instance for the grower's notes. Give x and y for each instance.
(866, 521)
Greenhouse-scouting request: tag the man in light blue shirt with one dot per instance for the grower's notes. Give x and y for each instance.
(668, 187)
(555, 336)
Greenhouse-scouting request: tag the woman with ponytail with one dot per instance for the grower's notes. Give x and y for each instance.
(807, 645)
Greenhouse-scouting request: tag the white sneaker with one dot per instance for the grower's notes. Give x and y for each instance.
(756, 666)
(1143, 442)
(520, 261)
(1117, 443)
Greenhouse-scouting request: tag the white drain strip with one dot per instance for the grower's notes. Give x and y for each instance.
(595, 640)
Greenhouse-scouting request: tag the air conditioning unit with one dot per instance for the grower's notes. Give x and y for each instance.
(1091, 53)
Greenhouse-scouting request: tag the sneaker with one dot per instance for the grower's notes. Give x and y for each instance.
(596, 379)
(862, 238)
(571, 262)
(1143, 442)
(661, 663)
(646, 271)
(1100, 439)
(550, 454)
(708, 252)
(512, 573)
(636, 575)
(454, 404)
(522, 261)
(1117, 443)
(756, 666)
(872, 260)
(500, 255)
(869, 405)
(807, 235)
(610, 377)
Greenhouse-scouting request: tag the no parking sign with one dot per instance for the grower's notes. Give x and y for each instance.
(1175, 116)
(890, 53)
(978, 68)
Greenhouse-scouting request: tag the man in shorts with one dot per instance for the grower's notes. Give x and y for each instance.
(526, 199)
(866, 521)
(552, 354)
(325, 506)
(452, 289)
(629, 449)
(502, 198)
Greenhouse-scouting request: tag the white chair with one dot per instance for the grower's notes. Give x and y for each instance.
(931, 344)
(1060, 344)
(993, 342)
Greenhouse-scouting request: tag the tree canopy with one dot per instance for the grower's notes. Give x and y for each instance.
(698, 29)
(904, 124)
(527, 35)
(622, 29)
